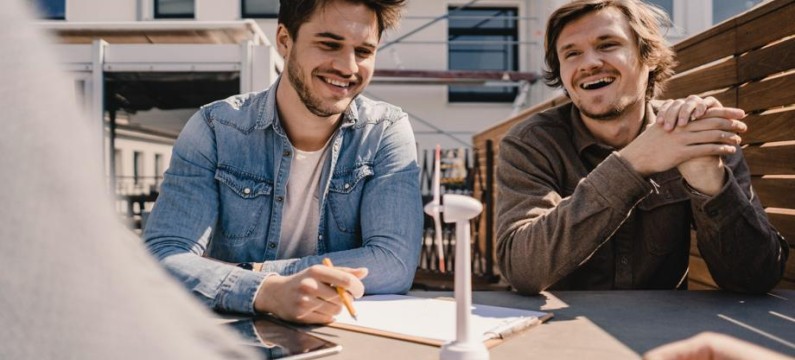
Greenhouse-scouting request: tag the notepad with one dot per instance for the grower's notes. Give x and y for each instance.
(432, 321)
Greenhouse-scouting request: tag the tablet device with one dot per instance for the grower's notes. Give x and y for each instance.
(277, 340)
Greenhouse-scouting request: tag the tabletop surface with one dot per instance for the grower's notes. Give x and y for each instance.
(606, 324)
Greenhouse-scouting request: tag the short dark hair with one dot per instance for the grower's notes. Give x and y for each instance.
(294, 13)
(644, 19)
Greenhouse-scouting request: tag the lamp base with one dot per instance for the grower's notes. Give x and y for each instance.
(464, 351)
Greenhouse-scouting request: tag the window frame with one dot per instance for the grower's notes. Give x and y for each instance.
(158, 15)
(38, 4)
(513, 32)
(245, 15)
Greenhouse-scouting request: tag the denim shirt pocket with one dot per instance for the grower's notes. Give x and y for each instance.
(665, 213)
(345, 195)
(244, 199)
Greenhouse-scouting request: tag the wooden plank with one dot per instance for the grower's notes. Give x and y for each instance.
(699, 272)
(717, 46)
(773, 160)
(736, 35)
(496, 132)
(777, 193)
(766, 94)
(768, 61)
(770, 127)
(756, 12)
(721, 75)
(775, 24)
(785, 224)
(728, 97)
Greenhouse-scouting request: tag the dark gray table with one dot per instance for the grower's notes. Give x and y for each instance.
(607, 324)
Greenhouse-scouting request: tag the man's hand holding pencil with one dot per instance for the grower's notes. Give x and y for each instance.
(312, 296)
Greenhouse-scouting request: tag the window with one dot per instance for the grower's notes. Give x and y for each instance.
(117, 164)
(174, 9)
(158, 169)
(482, 39)
(51, 9)
(724, 9)
(137, 166)
(260, 8)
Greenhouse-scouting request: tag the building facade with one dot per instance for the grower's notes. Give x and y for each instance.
(435, 36)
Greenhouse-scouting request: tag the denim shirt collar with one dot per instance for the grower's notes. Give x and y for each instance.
(269, 113)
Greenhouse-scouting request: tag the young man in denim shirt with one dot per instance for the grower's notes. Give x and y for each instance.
(263, 186)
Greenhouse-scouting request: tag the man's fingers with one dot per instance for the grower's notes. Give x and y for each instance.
(669, 117)
(314, 318)
(714, 137)
(343, 277)
(711, 149)
(724, 112)
(717, 123)
(680, 112)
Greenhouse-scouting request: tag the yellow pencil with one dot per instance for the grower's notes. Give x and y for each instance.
(345, 299)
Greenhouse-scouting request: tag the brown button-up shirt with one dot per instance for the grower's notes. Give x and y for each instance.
(572, 214)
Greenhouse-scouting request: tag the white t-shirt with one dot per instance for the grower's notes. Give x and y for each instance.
(301, 216)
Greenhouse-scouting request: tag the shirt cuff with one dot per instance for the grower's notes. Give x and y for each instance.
(723, 207)
(239, 290)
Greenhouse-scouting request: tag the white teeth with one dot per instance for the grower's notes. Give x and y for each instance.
(605, 80)
(338, 83)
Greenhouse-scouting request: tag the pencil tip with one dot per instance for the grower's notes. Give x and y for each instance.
(355, 318)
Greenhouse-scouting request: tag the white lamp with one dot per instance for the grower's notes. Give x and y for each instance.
(459, 209)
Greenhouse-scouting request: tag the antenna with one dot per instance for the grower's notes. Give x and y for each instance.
(459, 209)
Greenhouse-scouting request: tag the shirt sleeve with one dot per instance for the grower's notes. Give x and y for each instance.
(183, 219)
(741, 248)
(542, 236)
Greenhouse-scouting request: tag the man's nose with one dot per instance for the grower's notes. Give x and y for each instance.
(590, 61)
(345, 63)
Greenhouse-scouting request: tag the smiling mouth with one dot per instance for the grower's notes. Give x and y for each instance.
(598, 83)
(338, 83)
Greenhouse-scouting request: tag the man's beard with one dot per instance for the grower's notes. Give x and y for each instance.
(615, 111)
(315, 105)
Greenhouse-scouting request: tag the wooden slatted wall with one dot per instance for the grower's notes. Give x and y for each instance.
(747, 62)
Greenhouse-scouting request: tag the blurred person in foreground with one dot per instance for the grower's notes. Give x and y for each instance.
(76, 284)
(602, 193)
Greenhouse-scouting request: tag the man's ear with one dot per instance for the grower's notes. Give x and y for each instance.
(284, 42)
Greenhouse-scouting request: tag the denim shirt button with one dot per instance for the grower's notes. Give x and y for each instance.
(247, 191)
(347, 186)
(286, 153)
(279, 199)
(320, 237)
(271, 245)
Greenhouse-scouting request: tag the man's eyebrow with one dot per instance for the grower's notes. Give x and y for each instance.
(336, 37)
(333, 36)
(599, 38)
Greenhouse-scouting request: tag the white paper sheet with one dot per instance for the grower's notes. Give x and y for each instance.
(435, 318)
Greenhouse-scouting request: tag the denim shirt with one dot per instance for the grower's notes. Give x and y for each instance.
(223, 197)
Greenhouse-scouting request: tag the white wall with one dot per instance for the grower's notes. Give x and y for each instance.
(128, 145)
